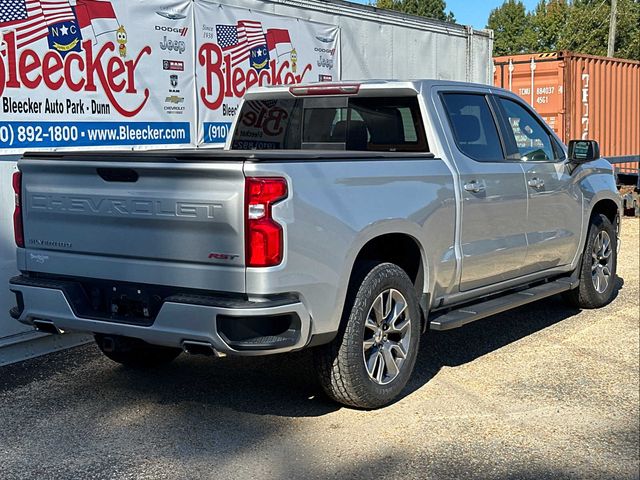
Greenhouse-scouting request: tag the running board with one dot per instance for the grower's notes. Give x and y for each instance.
(470, 313)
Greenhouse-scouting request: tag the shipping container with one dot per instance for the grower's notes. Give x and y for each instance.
(581, 97)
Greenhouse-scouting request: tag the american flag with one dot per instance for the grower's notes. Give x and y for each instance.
(238, 40)
(30, 18)
(56, 11)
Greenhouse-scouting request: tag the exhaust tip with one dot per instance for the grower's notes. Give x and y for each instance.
(193, 347)
(47, 326)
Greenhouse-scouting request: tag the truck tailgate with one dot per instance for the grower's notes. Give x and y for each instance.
(150, 222)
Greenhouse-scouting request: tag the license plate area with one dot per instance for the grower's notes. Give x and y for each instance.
(133, 304)
(124, 303)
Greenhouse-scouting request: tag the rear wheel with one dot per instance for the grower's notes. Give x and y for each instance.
(598, 268)
(371, 359)
(133, 352)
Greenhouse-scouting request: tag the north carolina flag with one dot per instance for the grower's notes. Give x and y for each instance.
(279, 39)
(96, 17)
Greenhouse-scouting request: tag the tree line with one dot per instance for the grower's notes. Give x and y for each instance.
(578, 25)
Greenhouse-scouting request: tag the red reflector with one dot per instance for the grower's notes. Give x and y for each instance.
(342, 89)
(264, 236)
(18, 231)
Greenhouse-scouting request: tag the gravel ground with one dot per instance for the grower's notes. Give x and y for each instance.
(541, 392)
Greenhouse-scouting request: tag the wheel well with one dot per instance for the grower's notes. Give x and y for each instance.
(606, 207)
(397, 248)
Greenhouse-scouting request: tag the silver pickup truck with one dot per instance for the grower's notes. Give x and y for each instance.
(344, 217)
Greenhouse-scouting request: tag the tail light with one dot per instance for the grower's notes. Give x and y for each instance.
(264, 236)
(18, 231)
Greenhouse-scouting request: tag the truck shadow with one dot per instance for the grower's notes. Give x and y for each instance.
(463, 345)
(285, 385)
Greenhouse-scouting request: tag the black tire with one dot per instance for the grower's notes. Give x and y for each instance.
(587, 295)
(340, 365)
(135, 353)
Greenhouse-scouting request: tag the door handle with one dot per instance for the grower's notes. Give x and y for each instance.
(474, 187)
(536, 182)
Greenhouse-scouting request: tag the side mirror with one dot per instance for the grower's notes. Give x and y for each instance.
(582, 151)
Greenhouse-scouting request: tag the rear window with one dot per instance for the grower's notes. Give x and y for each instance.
(335, 123)
(473, 127)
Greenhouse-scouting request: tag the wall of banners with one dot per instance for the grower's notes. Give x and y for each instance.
(122, 73)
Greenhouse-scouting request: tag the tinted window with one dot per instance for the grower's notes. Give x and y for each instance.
(375, 124)
(531, 138)
(269, 124)
(473, 126)
(322, 125)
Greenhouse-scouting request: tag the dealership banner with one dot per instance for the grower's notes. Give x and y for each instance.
(96, 73)
(238, 48)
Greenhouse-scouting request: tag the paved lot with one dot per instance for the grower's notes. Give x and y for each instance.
(542, 392)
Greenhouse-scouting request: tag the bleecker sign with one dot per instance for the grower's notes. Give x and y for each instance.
(76, 72)
(79, 73)
(238, 49)
(224, 79)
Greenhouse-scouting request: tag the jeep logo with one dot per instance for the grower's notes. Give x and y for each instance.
(173, 45)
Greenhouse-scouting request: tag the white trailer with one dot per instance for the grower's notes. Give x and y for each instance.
(381, 44)
(373, 43)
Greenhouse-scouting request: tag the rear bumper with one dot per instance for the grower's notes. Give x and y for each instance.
(181, 319)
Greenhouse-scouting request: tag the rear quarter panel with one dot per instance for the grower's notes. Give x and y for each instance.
(335, 207)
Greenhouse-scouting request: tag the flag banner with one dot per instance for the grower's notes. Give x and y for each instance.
(97, 73)
(141, 74)
(238, 48)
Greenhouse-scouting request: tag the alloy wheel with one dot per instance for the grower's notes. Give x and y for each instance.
(601, 261)
(387, 336)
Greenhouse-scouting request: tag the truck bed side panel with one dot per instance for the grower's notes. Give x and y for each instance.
(335, 208)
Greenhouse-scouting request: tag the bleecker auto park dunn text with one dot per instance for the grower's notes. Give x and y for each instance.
(77, 71)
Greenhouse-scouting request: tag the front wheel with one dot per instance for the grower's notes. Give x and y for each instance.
(371, 359)
(598, 267)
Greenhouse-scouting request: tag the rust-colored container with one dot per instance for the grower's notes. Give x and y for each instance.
(580, 96)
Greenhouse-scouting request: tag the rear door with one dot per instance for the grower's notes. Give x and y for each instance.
(554, 219)
(493, 189)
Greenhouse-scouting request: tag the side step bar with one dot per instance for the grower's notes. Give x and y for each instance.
(470, 313)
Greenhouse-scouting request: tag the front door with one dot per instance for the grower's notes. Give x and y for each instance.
(554, 221)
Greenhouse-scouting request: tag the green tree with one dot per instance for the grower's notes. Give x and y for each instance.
(587, 29)
(425, 8)
(628, 30)
(548, 24)
(512, 28)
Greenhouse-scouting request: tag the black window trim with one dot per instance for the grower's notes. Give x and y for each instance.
(527, 108)
(499, 131)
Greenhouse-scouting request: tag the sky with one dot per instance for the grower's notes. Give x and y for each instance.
(476, 13)
(472, 12)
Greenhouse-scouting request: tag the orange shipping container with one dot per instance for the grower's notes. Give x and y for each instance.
(580, 96)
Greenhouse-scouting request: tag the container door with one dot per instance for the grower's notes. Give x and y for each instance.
(494, 197)
(554, 220)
